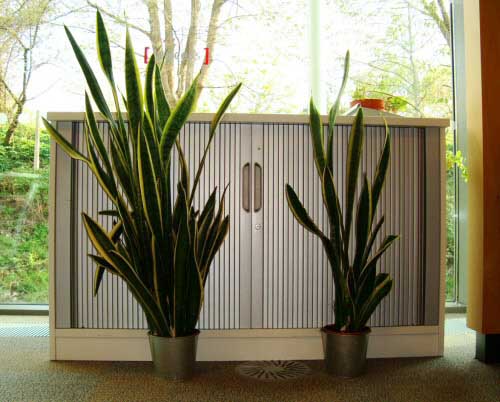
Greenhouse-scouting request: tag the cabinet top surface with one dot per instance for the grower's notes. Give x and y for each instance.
(281, 119)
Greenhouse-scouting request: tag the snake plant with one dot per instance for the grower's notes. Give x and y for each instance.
(358, 288)
(159, 244)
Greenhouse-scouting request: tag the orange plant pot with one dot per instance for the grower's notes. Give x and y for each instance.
(377, 104)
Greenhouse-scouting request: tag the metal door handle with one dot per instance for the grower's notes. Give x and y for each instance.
(257, 201)
(246, 187)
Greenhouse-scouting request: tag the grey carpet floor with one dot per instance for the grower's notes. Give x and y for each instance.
(27, 375)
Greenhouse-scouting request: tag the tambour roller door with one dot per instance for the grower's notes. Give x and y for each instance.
(297, 289)
(114, 306)
(269, 273)
(223, 308)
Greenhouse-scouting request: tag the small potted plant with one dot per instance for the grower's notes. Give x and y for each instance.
(160, 246)
(358, 287)
(361, 97)
(377, 100)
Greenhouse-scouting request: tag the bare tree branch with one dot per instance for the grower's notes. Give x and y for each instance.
(117, 18)
(440, 15)
(211, 35)
(7, 88)
(168, 62)
(185, 73)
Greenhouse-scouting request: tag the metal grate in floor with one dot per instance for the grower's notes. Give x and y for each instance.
(23, 329)
(273, 370)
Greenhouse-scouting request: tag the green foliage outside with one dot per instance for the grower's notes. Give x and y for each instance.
(456, 169)
(24, 219)
(24, 214)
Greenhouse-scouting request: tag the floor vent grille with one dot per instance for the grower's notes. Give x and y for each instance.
(273, 370)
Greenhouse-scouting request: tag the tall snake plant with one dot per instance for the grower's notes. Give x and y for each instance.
(162, 249)
(358, 288)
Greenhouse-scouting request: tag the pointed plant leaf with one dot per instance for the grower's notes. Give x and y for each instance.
(177, 119)
(148, 182)
(103, 50)
(105, 180)
(107, 250)
(181, 260)
(371, 241)
(331, 201)
(300, 213)
(109, 212)
(383, 247)
(363, 222)
(221, 234)
(209, 207)
(317, 137)
(149, 87)
(354, 152)
(63, 143)
(160, 99)
(332, 115)
(207, 242)
(101, 263)
(382, 167)
(213, 127)
(133, 87)
(184, 179)
(92, 82)
(204, 223)
(383, 285)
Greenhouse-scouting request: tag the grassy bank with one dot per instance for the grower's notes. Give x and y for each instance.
(24, 219)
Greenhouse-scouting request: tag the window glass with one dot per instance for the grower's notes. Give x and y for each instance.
(263, 44)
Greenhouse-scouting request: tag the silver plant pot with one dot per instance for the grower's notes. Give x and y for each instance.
(174, 358)
(345, 353)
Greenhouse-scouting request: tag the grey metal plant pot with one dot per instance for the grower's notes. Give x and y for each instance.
(345, 352)
(174, 358)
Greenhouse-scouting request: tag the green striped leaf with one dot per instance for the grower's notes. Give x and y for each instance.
(317, 137)
(209, 240)
(133, 87)
(109, 212)
(383, 247)
(213, 127)
(184, 180)
(96, 138)
(332, 115)
(160, 99)
(181, 259)
(205, 222)
(383, 285)
(331, 202)
(63, 143)
(372, 239)
(221, 234)
(103, 50)
(92, 83)
(148, 181)
(177, 119)
(363, 222)
(382, 167)
(300, 212)
(105, 180)
(149, 87)
(354, 153)
(107, 250)
(101, 266)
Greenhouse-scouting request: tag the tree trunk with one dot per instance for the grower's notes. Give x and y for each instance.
(9, 135)
(211, 36)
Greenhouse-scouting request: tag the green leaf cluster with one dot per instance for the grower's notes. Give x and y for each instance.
(159, 245)
(359, 289)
